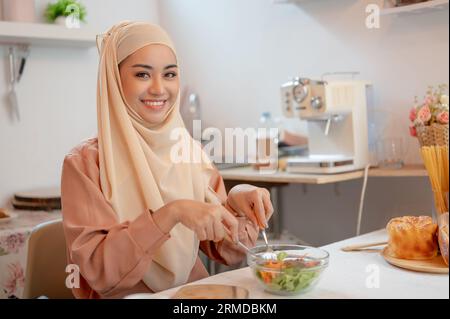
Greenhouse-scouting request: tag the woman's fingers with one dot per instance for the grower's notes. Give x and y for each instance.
(268, 207)
(209, 229)
(219, 231)
(231, 223)
(259, 211)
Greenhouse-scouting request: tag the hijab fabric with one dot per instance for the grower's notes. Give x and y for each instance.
(137, 175)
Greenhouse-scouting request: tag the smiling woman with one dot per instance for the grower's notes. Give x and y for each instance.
(130, 213)
(150, 82)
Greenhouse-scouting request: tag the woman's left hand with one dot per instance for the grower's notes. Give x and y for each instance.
(252, 202)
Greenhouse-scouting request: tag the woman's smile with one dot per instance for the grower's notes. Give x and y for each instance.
(154, 105)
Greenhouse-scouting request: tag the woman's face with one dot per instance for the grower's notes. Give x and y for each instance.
(150, 81)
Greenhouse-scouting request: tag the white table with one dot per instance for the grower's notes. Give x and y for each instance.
(349, 275)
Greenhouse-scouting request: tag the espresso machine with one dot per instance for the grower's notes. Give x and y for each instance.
(336, 115)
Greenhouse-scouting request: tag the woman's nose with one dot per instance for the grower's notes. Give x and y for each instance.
(156, 87)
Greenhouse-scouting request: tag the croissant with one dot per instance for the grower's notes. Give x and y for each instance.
(412, 237)
(3, 213)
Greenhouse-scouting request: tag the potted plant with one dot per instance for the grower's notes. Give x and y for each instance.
(59, 11)
(429, 119)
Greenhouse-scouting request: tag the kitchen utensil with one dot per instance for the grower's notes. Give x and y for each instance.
(12, 96)
(269, 254)
(363, 246)
(23, 60)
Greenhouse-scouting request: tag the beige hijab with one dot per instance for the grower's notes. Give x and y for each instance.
(136, 171)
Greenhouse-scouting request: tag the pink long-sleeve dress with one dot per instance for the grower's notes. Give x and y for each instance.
(113, 257)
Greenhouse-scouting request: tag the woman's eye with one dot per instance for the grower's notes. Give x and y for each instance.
(171, 74)
(143, 75)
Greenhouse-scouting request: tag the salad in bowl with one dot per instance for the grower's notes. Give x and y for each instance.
(296, 269)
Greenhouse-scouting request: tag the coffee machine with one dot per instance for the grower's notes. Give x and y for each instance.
(336, 115)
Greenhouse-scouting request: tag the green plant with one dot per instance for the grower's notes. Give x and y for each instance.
(65, 8)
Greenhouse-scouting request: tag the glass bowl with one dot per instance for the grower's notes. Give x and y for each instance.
(296, 270)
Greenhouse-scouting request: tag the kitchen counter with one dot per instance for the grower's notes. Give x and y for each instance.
(248, 174)
(362, 274)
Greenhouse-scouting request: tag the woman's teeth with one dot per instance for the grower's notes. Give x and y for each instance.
(155, 105)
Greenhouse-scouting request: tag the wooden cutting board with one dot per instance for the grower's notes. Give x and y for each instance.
(435, 265)
(40, 195)
(211, 292)
(35, 206)
(38, 199)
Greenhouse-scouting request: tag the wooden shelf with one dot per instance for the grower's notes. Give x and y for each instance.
(249, 174)
(45, 35)
(429, 6)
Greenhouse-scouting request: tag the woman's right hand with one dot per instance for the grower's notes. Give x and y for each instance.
(208, 221)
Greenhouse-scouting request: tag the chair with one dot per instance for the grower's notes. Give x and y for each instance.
(46, 262)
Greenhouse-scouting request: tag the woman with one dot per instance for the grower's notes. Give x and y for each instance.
(134, 219)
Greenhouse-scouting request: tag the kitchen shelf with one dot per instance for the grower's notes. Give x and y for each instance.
(41, 34)
(423, 7)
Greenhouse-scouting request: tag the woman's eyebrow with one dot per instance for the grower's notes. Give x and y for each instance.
(146, 66)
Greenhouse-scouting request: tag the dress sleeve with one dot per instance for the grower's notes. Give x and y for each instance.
(227, 252)
(112, 257)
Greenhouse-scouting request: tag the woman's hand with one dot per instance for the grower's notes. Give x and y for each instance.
(251, 201)
(208, 221)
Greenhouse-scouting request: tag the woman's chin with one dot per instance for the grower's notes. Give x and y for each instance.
(153, 119)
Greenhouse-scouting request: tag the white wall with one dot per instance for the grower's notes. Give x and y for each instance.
(57, 96)
(237, 53)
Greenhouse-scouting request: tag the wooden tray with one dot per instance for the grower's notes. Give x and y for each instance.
(435, 265)
(38, 199)
(40, 195)
(211, 292)
(35, 206)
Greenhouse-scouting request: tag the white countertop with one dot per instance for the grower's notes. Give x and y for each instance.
(345, 277)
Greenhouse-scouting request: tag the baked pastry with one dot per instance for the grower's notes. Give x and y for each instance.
(443, 237)
(412, 237)
(3, 213)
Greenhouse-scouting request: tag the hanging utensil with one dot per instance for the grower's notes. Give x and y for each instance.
(23, 60)
(12, 96)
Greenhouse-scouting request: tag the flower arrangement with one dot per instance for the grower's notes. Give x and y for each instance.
(429, 119)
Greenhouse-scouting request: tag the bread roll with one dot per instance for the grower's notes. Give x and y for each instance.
(412, 237)
(443, 236)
